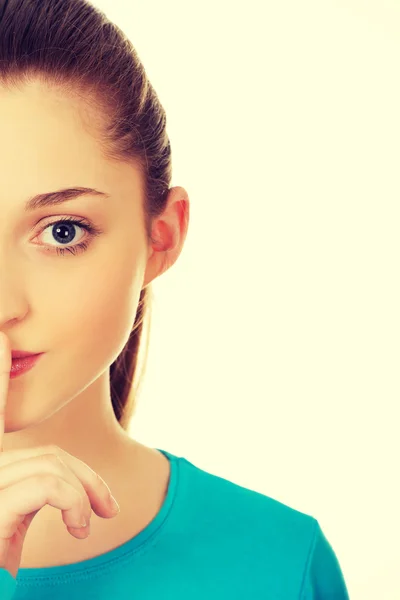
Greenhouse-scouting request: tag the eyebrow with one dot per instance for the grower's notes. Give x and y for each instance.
(57, 197)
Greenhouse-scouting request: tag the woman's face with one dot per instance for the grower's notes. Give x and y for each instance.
(78, 306)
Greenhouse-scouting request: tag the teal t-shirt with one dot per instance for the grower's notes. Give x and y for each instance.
(211, 539)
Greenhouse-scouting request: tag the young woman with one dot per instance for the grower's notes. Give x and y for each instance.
(87, 222)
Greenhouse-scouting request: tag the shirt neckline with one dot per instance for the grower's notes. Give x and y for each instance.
(106, 560)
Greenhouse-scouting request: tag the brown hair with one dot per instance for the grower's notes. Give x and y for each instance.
(71, 46)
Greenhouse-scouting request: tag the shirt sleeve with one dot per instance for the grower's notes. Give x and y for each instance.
(7, 585)
(323, 578)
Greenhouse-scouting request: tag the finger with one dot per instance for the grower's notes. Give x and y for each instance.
(15, 464)
(5, 367)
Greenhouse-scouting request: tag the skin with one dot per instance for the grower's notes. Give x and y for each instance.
(78, 309)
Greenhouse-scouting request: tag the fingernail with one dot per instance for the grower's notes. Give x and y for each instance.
(83, 523)
(114, 506)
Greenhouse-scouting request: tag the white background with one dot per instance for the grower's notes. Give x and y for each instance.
(274, 348)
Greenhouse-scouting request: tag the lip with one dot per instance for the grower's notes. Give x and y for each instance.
(22, 354)
(19, 366)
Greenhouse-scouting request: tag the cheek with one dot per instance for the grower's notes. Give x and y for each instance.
(107, 314)
(95, 312)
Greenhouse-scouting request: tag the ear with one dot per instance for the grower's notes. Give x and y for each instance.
(169, 231)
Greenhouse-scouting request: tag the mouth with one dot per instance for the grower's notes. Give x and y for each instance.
(19, 366)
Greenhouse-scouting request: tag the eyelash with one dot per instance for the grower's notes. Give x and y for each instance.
(82, 246)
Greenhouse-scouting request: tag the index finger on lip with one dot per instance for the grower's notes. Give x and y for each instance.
(5, 366)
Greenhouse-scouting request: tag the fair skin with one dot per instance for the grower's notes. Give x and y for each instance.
(77, 308)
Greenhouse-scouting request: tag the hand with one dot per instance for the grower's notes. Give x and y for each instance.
(33, 477)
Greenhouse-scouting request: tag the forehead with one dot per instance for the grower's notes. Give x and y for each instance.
(45, 144)
(38, 123)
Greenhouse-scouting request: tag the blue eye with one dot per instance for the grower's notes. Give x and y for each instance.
(64, 230)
